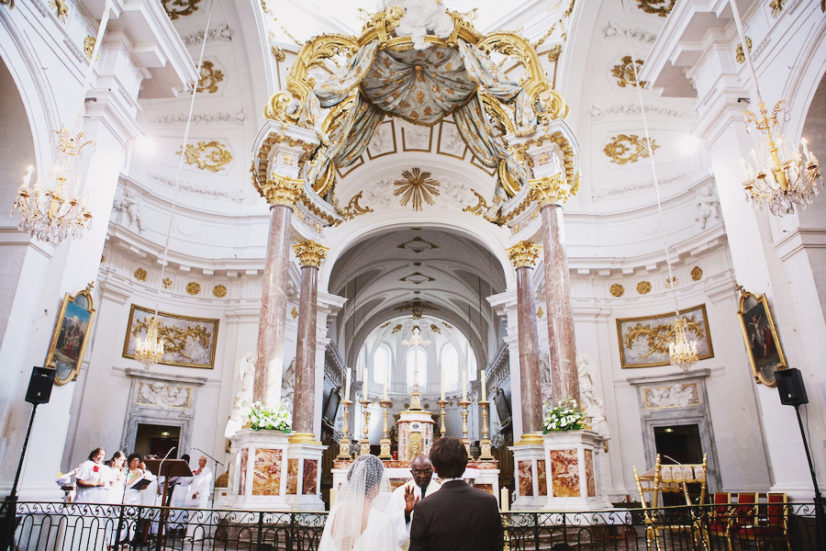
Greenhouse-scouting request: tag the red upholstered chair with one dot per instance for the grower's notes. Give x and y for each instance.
(744, 513)
(776, 526)
(720, 522)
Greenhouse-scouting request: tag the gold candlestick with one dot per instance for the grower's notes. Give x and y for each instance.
(365, 440)
(442, 404)
(485, 443)
(344, 443)
(464, 404)
(385, 438)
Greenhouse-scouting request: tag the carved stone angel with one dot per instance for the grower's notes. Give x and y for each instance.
(591, 403)
(242, 400)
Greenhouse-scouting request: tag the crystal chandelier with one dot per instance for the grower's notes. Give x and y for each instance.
(149, 348)
(781, 178)
(50, 210)
(682, 352)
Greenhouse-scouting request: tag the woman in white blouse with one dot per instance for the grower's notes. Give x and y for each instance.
(93, 479)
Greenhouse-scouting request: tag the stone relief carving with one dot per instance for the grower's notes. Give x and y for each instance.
(236, 117)
(163, 395)
(234, 196)
(616, 191)
(634, 109)
(242, 399)
(222, 32)
(708, 207)
(615, 31)
(677, 395)
(128, 208)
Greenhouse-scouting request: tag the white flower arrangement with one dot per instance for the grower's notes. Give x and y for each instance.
(565, 416)
(265, 418)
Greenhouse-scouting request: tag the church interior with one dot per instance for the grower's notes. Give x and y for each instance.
(287, 234)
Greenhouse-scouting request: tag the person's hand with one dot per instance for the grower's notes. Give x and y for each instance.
(410, 499)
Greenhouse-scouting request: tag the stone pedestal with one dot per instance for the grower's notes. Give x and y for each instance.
(415, 434)
(269, 472)
(563, 474)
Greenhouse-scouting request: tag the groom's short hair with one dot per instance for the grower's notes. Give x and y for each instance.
(449, 457)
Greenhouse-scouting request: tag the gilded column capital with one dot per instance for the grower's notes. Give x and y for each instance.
(550, 190)
(524, 254)
(310, 253)
(282, 190)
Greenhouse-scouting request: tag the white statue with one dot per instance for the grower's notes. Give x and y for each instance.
(242, 400)
(126, 204)
(708, 208)
(420, 17)
(592, 404)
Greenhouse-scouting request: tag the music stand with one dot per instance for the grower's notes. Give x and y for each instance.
(166, 468)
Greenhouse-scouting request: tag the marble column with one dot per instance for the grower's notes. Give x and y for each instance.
(523, 255)
(282, 195)
(310, 255)
(560, 316)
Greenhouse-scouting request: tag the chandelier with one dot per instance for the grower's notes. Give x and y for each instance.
(781, 178)
(50, 210)
(682, 352)
(149, 348)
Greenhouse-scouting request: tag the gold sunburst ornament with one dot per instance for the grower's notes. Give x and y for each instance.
(416, 185)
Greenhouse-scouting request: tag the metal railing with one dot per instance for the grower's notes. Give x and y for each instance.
(90, 527)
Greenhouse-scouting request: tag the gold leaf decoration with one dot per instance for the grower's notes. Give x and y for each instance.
(739, 54)
(89, 46)
(617, 290)
(660, 336)
(279, 54)
(353, 208)
(9, 3)
(219, 291)
(210, 77)
(628, 148)
(416, 186)
(385, 324)
(672, 282)
(61, 8)
(140, 274)
(177, 8)
(193, 288)
(212, 156)
(644, 287)
(174, 338)
(626, 72)
(777, 7)
(696, 273)
(396, 329)
(540, 312)
(435, 328)
(657, 7)
(294, 313)
(554, 53)
(167, 283)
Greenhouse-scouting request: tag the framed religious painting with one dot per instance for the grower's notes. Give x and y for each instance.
(760, 335)
(644, 341)
(187, 341)
(71, 333)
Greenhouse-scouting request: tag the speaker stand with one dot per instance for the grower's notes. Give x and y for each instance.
(10, 504)
(820, 505)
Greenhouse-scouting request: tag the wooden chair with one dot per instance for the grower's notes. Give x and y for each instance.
(719, 523)
(648, 484)
(776, 526)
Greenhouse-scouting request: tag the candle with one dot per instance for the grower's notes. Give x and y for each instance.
(464, 384)
(484, 393)
(443, 385)
(364, 381)
(347, 385)
(27, 179)
(504, 501)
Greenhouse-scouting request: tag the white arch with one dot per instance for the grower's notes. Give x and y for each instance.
(802, 85)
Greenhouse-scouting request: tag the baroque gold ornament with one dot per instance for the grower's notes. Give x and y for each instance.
(644, 287)
(140, 274)
(617, 290)
(209, 78)
(310, 253)
(212, 156)
(523, 254)
(696, 273)
(628, 148)
(417, 186)
(177, 8)
(193, 287)
(61, 8)
(626, 72)
(220, 291)
(167, 283)
(739, 54)
(657, 7)
(9, 3)
(89, 46)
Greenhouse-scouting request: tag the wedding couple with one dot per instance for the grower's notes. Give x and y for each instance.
(456, 518)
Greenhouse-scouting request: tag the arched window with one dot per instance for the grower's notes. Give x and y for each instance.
(382, 365)
(450, 366)
(416, 367)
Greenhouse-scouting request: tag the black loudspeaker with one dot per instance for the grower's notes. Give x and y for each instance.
(791, 388)
(40, 385)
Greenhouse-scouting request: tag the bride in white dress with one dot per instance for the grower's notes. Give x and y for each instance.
(363, 516)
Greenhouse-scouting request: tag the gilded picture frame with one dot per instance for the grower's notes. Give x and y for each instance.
(188, 341)
(70, 336)
(760, 337)
(644, 340)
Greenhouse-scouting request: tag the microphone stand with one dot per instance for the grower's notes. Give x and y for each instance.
(214, 475)
(164, 513)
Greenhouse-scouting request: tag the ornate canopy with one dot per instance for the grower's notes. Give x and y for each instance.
(420, 63)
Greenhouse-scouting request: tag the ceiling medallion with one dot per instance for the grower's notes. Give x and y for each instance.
(193, 288)
(212, 156)
(140, 274)
(417, 278)
(417, 245)
(210, 77)
(739, 54)
(625, 148)
(657, 7)
(177, 8)
(220, 291)
(644, 287)
(418, 186)
(89, 46)
(61, 8)
(617, 290)
(696, 273)
(626, 72)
